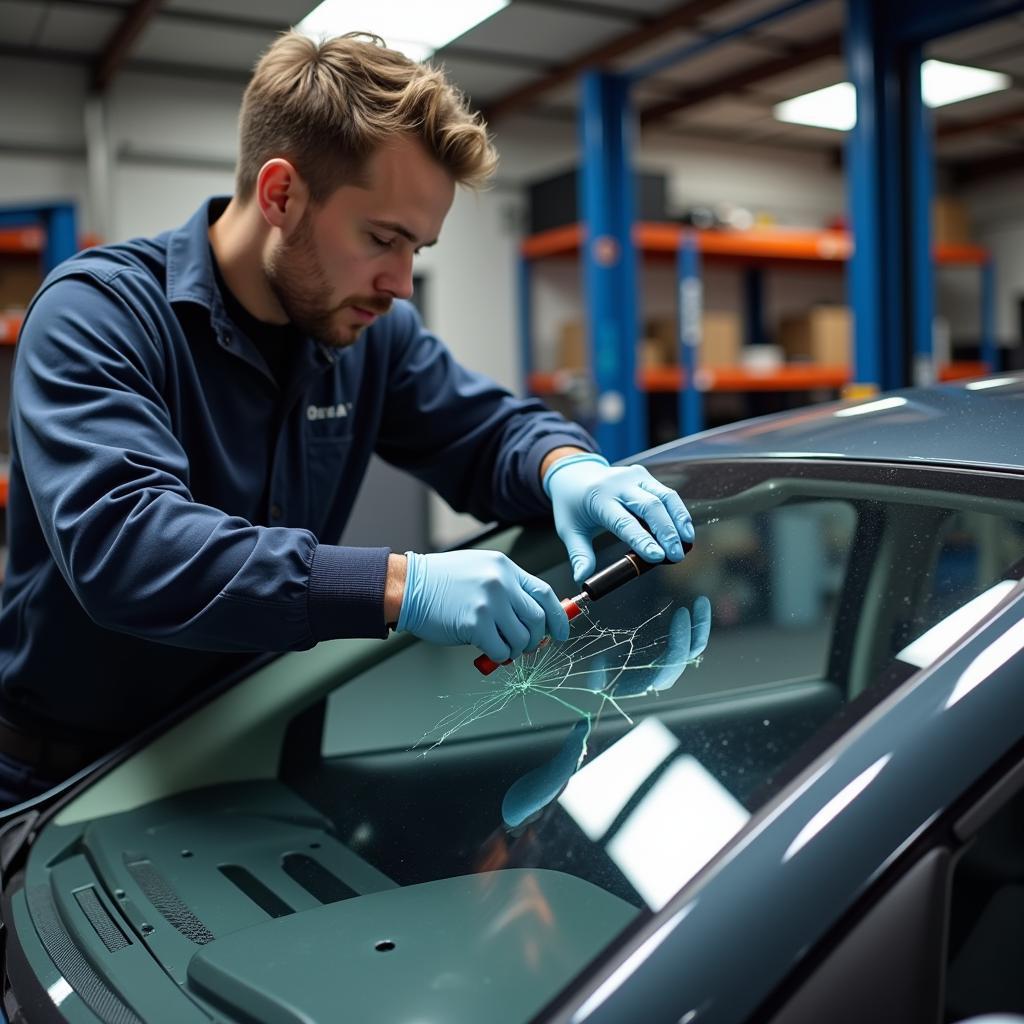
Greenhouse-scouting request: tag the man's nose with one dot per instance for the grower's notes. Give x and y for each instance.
(396, 280)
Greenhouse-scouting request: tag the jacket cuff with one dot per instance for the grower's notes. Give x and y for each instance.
(346, 592)
(536, 455)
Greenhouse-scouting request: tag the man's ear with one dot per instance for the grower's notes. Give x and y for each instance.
(281, 194)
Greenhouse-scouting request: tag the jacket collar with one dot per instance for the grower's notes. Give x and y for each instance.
(190, 275)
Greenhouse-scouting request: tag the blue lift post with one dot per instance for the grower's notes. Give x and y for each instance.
(891, 187)
(921, 158)
(691, 309)
(873, 199)
(609, 262)
(989, 353)
(58, 222)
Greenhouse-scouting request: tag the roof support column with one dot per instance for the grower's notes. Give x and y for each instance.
(606, 198)
(890, 188)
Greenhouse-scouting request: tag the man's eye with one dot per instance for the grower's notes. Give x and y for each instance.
(384, 243)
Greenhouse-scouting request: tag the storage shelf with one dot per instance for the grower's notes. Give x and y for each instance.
(22, 241)
(10, 325)
(769, 244)
(740, 378)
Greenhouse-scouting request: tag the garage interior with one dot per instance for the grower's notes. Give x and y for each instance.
(121, 116)
(704, 211)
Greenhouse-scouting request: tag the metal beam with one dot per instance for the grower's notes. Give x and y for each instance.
(713, 39)
(498, 58)
(684, 16)
(589, 7)
(953, 129)
(918, 21)
(201, 72)
(120, 43)
(828, 46)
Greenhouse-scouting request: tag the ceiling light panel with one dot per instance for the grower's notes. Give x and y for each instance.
(417, 29)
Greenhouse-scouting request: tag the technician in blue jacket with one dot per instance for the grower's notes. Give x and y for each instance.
(192, 415)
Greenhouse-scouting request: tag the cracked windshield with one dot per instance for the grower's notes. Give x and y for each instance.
(631, 753)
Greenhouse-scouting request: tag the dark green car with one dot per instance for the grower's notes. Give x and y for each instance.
(779, 781)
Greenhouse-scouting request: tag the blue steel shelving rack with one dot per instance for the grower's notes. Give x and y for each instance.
(890, 190)
(58, 222)
(59, 225)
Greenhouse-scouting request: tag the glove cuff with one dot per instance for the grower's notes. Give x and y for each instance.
(568, 461)
(413, 563)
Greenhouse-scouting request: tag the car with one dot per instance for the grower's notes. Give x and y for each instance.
(779, 781)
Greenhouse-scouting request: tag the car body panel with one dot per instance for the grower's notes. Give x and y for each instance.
(944, 425)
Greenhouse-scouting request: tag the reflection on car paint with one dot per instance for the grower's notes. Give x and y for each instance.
(597, 668)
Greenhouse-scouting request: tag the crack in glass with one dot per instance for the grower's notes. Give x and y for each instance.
(591, 673)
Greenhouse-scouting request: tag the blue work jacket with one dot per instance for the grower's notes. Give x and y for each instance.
(172, 511)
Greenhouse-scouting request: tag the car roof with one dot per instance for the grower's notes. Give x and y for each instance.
(972, 423)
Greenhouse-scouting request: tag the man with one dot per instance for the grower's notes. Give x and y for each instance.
(192, 415)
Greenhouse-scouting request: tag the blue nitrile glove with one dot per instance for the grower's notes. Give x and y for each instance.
(589, 496)
(480, 598)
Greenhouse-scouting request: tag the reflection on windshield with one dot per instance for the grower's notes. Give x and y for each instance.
(592, 671)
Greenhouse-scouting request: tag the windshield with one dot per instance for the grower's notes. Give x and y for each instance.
(631, 754)
(462, 846)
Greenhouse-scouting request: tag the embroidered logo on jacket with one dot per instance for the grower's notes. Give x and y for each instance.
(328, 412)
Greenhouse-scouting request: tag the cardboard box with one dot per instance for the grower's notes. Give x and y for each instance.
(20, 277)
(721, 342)
(822, 335)
(572, 345)
(950, 223)
(651, 354)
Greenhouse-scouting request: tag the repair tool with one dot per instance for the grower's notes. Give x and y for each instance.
(627, 568)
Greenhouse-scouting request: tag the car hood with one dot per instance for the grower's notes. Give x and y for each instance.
(977, 423)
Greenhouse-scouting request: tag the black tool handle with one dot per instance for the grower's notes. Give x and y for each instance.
(622, 571)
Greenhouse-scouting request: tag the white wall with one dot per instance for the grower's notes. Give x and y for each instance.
(42, 140)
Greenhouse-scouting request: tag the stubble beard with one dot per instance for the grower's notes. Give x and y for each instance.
(302, 289)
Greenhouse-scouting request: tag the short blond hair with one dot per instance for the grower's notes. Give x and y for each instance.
(326, 106)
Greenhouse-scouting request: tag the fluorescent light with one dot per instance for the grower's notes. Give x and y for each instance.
(941, 84)
(926, 649)
(832, 107)
(416, 29)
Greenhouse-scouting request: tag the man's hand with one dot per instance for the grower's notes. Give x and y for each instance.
(480, 598)
(589, 496)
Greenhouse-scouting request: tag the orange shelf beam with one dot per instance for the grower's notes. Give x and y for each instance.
(3, 491)
(962, 370)
(757, 244)
(10, 325)
(742, 378)
(27, 241)
(796, 377)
